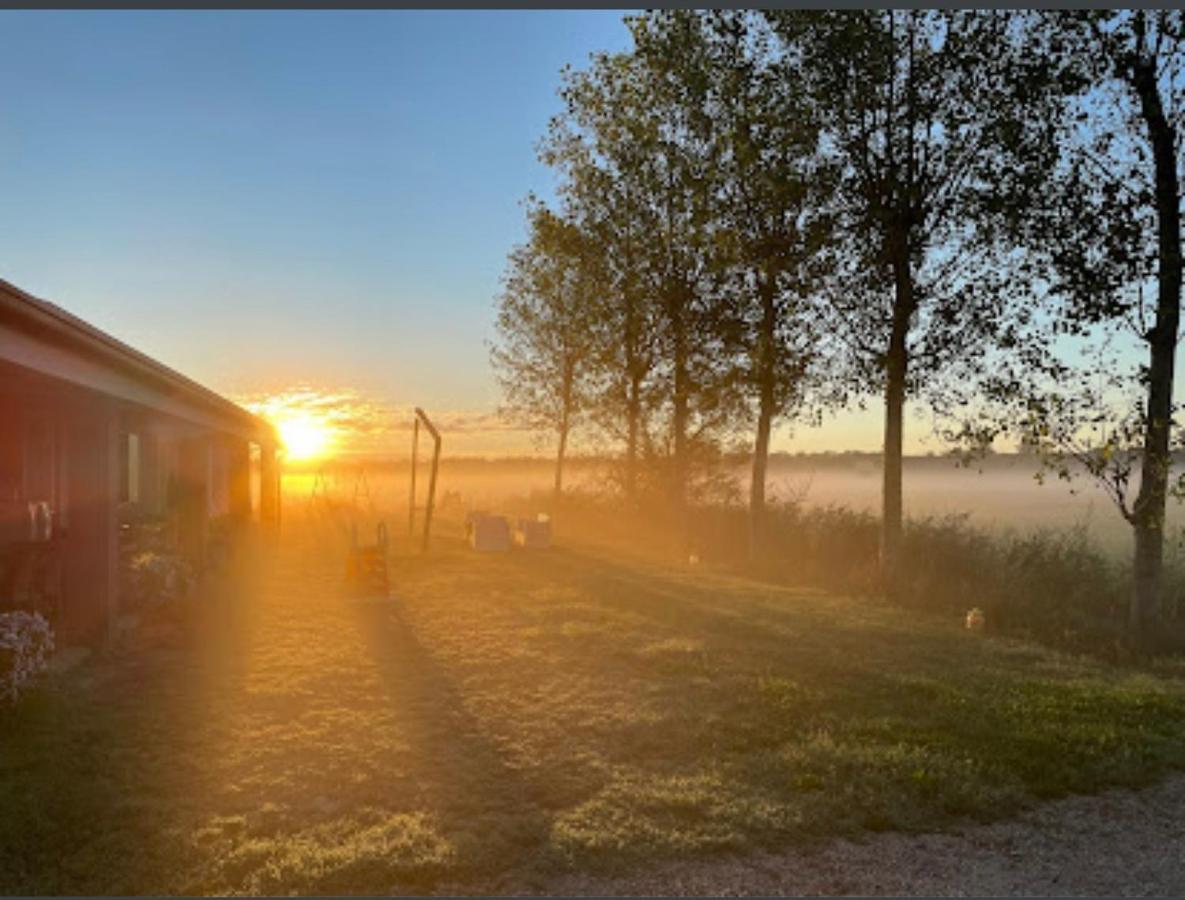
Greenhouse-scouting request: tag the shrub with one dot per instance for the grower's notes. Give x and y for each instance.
(26, 645)
(154, 577)
(151, 569)
(1053, 585)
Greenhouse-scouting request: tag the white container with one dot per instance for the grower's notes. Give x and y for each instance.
(533, 534)
(489, 534)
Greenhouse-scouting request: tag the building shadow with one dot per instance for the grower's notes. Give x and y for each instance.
(104, 774)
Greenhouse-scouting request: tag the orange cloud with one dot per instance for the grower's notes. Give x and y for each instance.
(357, 424)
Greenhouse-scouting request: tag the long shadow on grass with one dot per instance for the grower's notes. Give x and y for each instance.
(491, 814)
(855, 634)
(912, 723)
(768, 620)
(796, 719)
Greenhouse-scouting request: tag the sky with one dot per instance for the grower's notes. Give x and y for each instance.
(298, 203)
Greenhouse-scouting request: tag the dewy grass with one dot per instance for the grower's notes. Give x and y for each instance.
(508, 718)
(1058, 585)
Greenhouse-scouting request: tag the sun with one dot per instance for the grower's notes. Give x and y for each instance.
(303, 438)
(312, 424)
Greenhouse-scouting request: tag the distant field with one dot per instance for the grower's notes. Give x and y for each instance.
(1004, 496)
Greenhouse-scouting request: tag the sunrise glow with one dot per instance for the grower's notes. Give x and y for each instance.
(309, 422)
(322, 421)
(304, 438)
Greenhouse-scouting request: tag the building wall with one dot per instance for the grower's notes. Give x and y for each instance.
(70, 448)
(68, 416)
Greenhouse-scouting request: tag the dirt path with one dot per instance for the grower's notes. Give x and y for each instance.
(1120, 843)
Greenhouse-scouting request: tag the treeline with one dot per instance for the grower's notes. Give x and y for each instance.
(766, 215)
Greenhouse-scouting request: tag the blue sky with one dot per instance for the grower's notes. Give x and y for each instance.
(266, 198)
(259, 197)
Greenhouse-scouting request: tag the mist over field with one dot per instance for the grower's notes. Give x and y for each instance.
(999, 493)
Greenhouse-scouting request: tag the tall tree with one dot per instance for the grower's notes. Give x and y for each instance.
(913, 105)
(601, 192)
(1144, 49)
(767, 214)
(632, 117)
(543, 329)
(1107, 225)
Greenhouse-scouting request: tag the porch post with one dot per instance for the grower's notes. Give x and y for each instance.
(193, 473)
(150, 472)
(239, 478)
(91, 602)
(269, 485)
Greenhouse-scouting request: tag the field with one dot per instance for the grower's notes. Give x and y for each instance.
(1000, 493)
(506, 720)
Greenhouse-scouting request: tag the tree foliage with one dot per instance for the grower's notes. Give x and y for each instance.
(782, 212)
(1094, 394)
(916, 107)
(544, 329)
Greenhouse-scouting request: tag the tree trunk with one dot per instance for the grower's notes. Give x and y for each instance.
(1148, 513)
(634, 415)
(633, 399)
(559, 463)
(891, 504)
(566, 391)
(896, 368)
(680, 412)
(766, 377)
(757, 485)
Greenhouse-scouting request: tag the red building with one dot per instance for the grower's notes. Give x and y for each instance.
(92, 430)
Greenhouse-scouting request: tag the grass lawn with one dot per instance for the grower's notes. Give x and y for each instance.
(508, 718)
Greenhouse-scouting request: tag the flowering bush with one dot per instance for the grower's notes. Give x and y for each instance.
(155, 577)
(26, 644)
(151, 569)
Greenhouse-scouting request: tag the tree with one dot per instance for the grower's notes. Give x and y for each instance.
(914, 105)
(630, 119)
(774, 224)
(1144, 49)
(601, 191)
(1107, 226)
(543, 329)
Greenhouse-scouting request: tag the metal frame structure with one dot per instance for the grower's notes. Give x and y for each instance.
(421, 416)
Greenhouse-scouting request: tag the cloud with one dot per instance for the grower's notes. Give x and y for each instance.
(365, 424)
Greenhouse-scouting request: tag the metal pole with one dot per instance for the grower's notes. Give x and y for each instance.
(431, 492)
(432, 479)
(411, 504)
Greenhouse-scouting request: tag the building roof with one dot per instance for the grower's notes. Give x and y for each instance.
(42, 336)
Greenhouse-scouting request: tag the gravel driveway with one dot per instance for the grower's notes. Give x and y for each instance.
(1129, 843)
